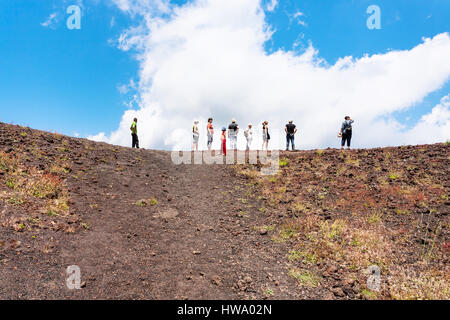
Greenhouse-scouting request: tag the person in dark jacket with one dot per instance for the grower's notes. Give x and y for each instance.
(290, 130)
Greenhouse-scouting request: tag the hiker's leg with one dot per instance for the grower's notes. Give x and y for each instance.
(137, 142)
(287, 142)
(293, 142)
(344, 137)
(133, 140)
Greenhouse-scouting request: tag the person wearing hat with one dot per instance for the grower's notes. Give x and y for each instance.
(223, 149)
(195, 136)
(233, 130)
(249, 135)
(290, 130)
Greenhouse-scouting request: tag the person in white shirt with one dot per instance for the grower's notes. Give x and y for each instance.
(249, 135)
(233, 130)
(195, 136)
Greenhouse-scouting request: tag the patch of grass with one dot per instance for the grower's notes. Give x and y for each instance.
(243, 214)
(319, 152)
(147, 202)
(33, 220)
(59, 169)
(16, 200)
(10, 183)
(51, 213)
(23, 134)
(267, 228)
(430, 284)
(352, 162)
(394, 176)
(85, 225)
(269, 292)
(284, 162)
(300, 207)
(305, 277)
(46, 186)
(250, 173)
(333, 231)
(368, 294)
(305, 257)
(402, 211)
(374, 218)
(141, 203)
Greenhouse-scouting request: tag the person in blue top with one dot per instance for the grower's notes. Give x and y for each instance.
(346, 132)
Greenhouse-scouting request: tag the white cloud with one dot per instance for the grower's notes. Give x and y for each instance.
(272, 5)
(51, 20)
(207, 58)
(297, 16)
(125, 88)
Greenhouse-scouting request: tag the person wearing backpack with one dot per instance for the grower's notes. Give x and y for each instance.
(346, 132)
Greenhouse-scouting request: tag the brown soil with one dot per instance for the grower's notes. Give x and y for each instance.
(140, 227)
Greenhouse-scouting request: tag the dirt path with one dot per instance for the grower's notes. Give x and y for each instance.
(200, 241)
(196, 236)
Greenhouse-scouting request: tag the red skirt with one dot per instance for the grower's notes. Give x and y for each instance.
(224, 146)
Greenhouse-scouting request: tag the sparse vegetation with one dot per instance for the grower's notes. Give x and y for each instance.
(305, 277)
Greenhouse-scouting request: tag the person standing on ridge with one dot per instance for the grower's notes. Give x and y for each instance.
(134, 137)
(290, 130)
(195, 136)
(346, 132)
(223, 149)
(265, 134)
(233, 130)
(210, 133)
(249, 135)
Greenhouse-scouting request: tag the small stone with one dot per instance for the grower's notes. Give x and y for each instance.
(263, 232)
(83, 284)
(331, 269)
(248, 279)
(216, 280)
(338, 292)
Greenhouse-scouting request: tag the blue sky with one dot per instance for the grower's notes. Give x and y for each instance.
(67, 80)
